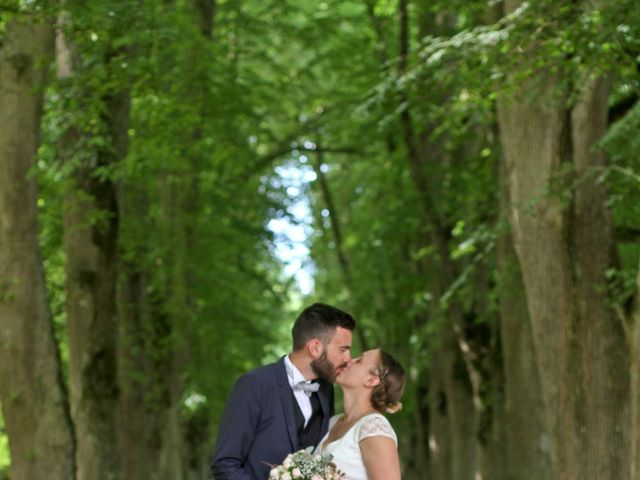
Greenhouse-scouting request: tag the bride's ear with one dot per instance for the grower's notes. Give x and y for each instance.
(372, 381)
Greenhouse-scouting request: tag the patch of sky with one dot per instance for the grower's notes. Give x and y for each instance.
(292, 231)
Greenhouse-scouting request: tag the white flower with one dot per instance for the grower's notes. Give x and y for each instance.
(303, 464)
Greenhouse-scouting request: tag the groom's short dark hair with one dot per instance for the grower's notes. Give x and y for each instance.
(319, 321)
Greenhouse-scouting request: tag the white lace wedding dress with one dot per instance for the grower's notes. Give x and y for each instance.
(346, 450)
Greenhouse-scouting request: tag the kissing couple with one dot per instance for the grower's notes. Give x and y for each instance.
(289, 405)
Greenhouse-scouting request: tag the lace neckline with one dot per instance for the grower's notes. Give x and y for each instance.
(326, 443)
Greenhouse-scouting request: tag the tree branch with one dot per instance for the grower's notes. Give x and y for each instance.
(287, 147)
(620, 109)
(627, 235)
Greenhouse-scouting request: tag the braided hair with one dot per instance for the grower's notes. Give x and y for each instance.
(385, 396)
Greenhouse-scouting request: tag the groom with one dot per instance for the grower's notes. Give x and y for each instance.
(285, 406)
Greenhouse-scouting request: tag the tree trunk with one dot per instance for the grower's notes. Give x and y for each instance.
(183, 205)
(90, 247)
(417, 455)
(336, 231)
(563, 248)
(492, 459)
(453, 419)
(463, 421)
(34, 402)
(455, 379)
(526, 454)
(143, 331)
(634, 343)
(484, 339)
(440, 451)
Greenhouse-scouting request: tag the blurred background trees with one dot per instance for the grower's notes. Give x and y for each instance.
(464, 175)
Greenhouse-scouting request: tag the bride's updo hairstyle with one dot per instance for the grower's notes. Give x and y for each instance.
(385, 396)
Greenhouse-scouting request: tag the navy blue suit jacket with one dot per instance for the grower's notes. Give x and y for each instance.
(258, 425)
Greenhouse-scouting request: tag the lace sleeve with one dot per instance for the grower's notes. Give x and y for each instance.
(376, 425)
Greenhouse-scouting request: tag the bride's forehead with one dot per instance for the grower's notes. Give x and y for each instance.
(369, 354)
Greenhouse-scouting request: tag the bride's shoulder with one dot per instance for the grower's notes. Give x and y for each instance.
(374, 417)
(375, 424)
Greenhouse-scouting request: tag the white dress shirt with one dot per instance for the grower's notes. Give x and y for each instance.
(295, 377)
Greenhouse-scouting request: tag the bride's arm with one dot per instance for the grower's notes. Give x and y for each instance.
(380, 458)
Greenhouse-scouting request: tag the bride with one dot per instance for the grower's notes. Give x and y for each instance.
(362, 441)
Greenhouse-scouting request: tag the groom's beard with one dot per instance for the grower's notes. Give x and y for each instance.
(324, 369)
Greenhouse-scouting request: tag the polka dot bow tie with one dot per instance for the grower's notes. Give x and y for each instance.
(307, 388)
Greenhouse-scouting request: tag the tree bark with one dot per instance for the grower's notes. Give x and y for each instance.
(453, 419)
(34, 401)
(144, 362)
(526, 453)
(634, 343)
(90, 247)
(183, 206)
(563, 248)
(440, 442)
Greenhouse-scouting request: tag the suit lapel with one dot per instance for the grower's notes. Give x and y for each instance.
(287, 399)
(324, 401)
(325, 396)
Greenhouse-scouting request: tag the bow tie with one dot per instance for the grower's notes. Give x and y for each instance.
(307, 388)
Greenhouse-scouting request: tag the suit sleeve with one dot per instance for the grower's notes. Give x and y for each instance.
(237, 431)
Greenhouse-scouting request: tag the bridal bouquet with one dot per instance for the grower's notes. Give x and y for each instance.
(304, 465)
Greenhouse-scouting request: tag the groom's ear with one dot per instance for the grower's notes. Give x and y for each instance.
(315, 347)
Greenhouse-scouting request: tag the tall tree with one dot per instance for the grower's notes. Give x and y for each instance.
(90, 242)
(34, 401)
(149, 441)
(564, 247)
(455, 379)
